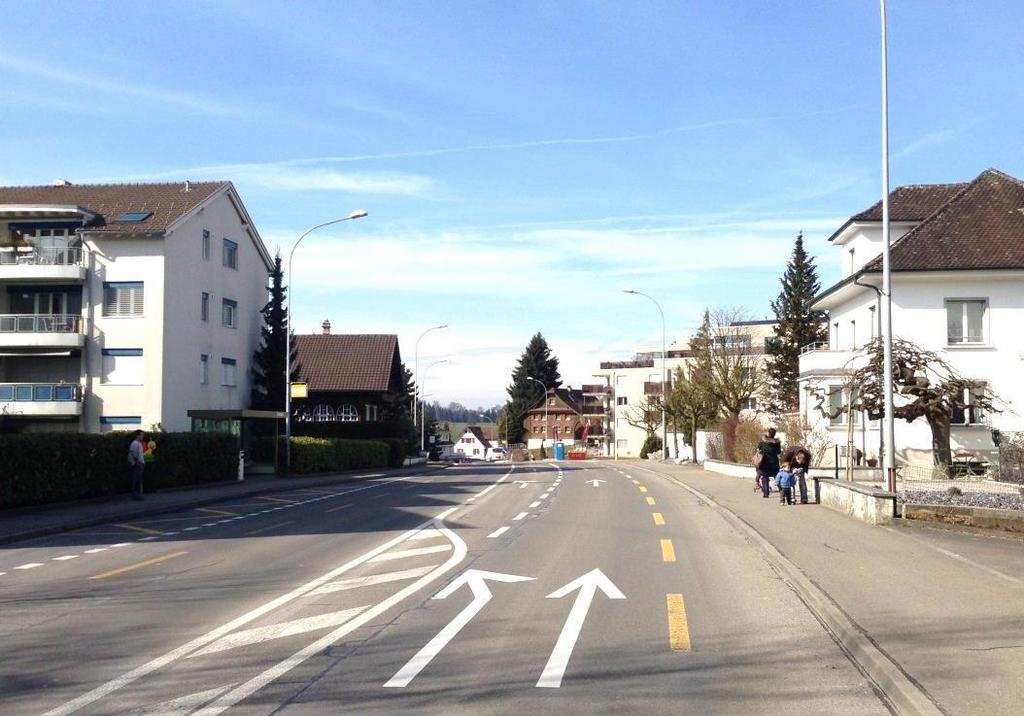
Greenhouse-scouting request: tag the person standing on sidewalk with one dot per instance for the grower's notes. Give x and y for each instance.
(137, 463)
(785, 480)
(801, 462)
(768, 451)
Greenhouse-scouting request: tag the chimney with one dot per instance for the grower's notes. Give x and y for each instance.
(326, 325)
(62, 182)
(188, 186)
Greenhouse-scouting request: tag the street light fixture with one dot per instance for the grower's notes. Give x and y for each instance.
(416, 369)
(545, 439)
(423, 422)
(357, 214)
(664, 397)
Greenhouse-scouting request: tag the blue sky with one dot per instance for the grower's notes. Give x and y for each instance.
(522, 162)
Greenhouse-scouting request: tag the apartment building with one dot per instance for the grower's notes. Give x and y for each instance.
(957, 262)
(627, 386)
(126, 305)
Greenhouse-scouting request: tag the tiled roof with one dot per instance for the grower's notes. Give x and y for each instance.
(980, 227)
(914, 202)
(572, 398)
(479, 435)
(355, 363)
(167, 202)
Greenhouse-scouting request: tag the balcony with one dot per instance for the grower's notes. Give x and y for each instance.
(28, 264)
(48, 400)
(652, 388)
(597, 389)
(592, 410)
(818, 360)
(40, 331)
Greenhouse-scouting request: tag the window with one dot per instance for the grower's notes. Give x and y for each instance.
(835, 403)
(750, 404)
(123, 299)
(348, 414)
(747, 373)
(622, 400)
(122, 366)
(551, 401)
(229, 313)
(204, 311)
(134, 217)
(109, 423)
(872, 324)
(371, 413)
(972, 414)
(965, 321)
(228, 372)
(230, 254)
(733, 341)
(204, 369)
(206, 244)
(621, 444)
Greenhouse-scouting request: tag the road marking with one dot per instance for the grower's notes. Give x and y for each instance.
(678, 630)
(212, 511)
(29, 565)
(96, 550)
(339, 507)
(668, 552)
(343, 585)
(120, 544)
(535, 504)
(278, 631)
(430, 533)
(476, 580)
(595, 483)
(276, 499)
(388, 556)
(650, 501)
(587, 585)
(523, 483)
(498, 532)
(659, 519)
(520, 516)
(137, 565)
(136, 528)
(642, 488)
(267, 529)
(65, 558)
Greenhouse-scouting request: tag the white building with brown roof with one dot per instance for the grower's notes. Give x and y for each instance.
(957, 263)
(126, 305)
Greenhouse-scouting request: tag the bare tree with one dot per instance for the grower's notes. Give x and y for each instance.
(646, 415)
(690, 404)
(924, 385)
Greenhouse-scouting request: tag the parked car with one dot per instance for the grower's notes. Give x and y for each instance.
(498, 453)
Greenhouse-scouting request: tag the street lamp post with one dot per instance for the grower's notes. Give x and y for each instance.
(889, 424)
(416, 368)
(664, 396)
(357, 214)
(545, 439)
(423, 422)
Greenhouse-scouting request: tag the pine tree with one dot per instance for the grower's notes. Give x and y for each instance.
(397, 408)
(525, 394)
(797, 327)
(268, 359)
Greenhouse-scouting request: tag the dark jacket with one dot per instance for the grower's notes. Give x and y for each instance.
(770, 450)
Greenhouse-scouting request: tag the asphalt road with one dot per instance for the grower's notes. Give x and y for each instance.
(482, 589)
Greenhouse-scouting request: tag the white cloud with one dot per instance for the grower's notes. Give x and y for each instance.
(284, 178)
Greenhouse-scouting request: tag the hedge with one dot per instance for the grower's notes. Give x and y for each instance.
(41, 468)
(333, 454)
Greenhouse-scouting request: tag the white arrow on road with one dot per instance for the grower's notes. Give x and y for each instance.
(587, 585)
(477, 581)
(523, 483)
(595, 483)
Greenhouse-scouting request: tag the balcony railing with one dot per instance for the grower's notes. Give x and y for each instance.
(811, 347)
(39, 323)
(69, 256)
(596, 389)
(652, 388)
(40, 392)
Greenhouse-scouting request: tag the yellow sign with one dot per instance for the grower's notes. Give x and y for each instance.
(300, 390)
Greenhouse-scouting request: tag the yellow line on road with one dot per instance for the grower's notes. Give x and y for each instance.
(643, 489)
(277, 499)
(217, 512)
(659, 519)
(650, 501)
(267, 529)
(144, 530)
(668, 552)
(678, 630)
(138, 565)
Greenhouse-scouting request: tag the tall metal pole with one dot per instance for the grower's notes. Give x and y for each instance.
(889, 425)
(416, 369)
(358, 214)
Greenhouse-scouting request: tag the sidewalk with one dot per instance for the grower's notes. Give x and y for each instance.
(946, 607)
(22, 524)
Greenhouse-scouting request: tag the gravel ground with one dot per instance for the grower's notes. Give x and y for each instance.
(1004, 501)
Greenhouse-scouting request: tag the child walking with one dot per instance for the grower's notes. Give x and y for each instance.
(785, 480)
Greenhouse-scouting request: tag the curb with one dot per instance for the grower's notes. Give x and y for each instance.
(987, 518)
(282, 486)
(901, 692)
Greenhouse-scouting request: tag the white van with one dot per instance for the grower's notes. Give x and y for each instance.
(497, 453)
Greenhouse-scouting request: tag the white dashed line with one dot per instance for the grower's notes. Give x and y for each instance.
(535, 504)
(65, 558)
(498, 532)
(520, 516)
(30, 565)
(96, 550)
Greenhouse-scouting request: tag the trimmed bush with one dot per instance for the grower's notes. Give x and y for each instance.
(334, 454)
(42, 468)
(397, 447)
(651, 445)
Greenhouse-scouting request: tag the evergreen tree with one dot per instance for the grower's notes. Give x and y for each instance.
(397, 408)
(268, 359)
(797, 327)
(536, 362)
